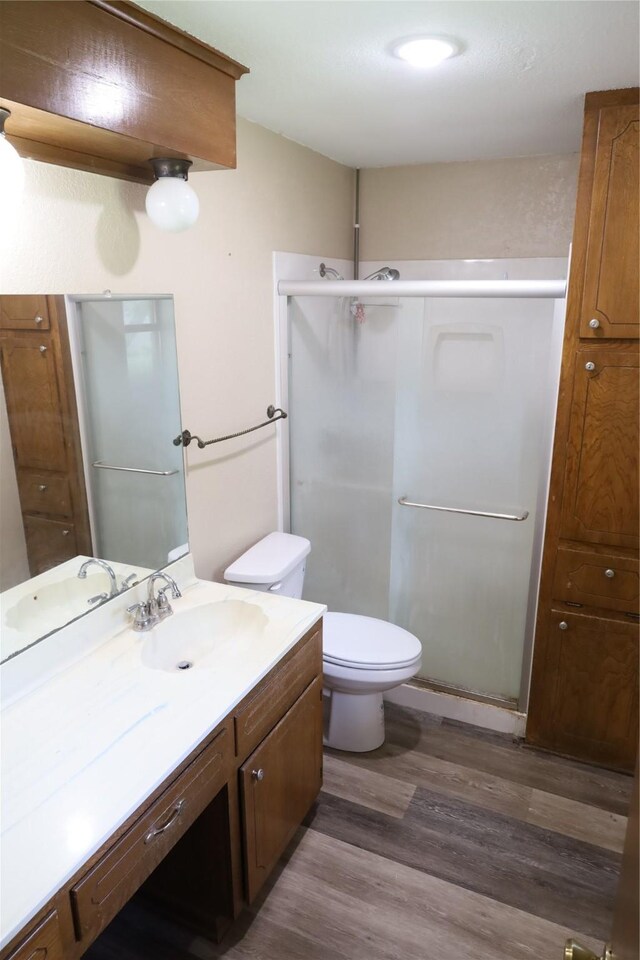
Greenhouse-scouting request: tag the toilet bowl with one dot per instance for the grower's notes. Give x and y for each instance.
(362, 656)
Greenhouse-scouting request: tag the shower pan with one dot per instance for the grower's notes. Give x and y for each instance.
(420, 430)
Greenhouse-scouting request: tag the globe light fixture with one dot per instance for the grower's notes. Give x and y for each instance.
(171, 203)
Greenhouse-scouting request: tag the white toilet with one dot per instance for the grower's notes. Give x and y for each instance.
(362, 656)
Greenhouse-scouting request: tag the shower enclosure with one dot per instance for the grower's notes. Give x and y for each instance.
(420, 431)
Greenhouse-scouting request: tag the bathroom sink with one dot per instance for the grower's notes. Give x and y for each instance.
(47, 607)
(195, 636)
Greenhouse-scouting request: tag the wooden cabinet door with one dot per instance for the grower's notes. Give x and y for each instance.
(591, 690)
(279, 782)
(600, 502)
(610, 295)
(24, 312)
(43, 943)
(29, 373)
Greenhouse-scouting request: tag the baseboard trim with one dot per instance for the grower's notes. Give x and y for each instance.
(453, 707)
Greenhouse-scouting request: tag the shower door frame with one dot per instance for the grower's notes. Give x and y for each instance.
(371, 289)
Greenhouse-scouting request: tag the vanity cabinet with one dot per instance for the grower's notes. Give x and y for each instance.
(43, 423)
(206, 839)
(98, 896)
(584, 686)
(278, 784)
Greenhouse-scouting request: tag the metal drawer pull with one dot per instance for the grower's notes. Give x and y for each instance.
(590, 365)
(42, 487)
(175, 815)
(37, 319)
(594, 324)
(471, 513)
(258, 774)
(42, 348)
(610, 573)
(65, 533)
(563, 625)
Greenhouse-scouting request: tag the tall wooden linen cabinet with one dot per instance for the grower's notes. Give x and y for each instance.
(584, 688)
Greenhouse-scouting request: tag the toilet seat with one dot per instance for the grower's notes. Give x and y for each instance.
(366, 643)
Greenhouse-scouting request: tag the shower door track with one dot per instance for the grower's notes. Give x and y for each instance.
(423, 683)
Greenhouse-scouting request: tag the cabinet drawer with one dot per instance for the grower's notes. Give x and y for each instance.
(43, 943)
(44, 493)
(104, 890)
(597, 580)
(24, 312)
(49, 542)
(254, 719)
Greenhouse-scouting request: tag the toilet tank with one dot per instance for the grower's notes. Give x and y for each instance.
(275, 564)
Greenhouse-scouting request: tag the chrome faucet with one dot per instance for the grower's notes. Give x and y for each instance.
(155, 608)
(113, 583)
(159, 606)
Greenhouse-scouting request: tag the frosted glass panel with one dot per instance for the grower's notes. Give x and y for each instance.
(470, 432)
(441, 401)
(130, 392)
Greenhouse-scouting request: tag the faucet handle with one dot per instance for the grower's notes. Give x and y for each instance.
(129, 581)
(143, 619)
(164, 608)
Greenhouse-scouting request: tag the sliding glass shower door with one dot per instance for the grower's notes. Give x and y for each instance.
(446, 403)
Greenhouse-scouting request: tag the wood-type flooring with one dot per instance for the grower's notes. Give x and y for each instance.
(448, 842)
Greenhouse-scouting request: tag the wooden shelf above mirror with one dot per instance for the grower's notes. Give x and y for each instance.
(102, 85)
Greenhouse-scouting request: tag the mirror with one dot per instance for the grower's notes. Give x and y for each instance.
(92, 485)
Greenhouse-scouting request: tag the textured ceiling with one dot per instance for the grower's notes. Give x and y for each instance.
(321, 73)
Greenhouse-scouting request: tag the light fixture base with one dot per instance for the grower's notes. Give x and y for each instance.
(170, 167)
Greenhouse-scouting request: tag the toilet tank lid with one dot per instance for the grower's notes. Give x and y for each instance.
(269, 560)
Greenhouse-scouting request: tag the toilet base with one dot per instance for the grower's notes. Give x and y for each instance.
(354, 722)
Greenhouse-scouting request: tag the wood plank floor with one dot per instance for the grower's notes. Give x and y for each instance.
(448, 842)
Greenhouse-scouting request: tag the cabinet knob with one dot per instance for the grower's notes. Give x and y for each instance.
(594, 324)
(42, 348)
(65, 533)
(610, 573)
(42, 487)
(563, 625)
(590, 365)
(37, 318)
(258, 774)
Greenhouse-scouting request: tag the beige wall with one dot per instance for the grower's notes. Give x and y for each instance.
(81, 233)
(521, 207)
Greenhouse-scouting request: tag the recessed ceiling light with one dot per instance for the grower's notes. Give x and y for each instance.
(425, 52)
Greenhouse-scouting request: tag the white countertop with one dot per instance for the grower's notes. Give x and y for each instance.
(85, 746)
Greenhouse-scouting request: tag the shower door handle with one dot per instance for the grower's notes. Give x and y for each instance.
(472, 513)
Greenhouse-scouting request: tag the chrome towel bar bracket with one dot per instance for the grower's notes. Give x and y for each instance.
(472, 513)
(185, 438)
